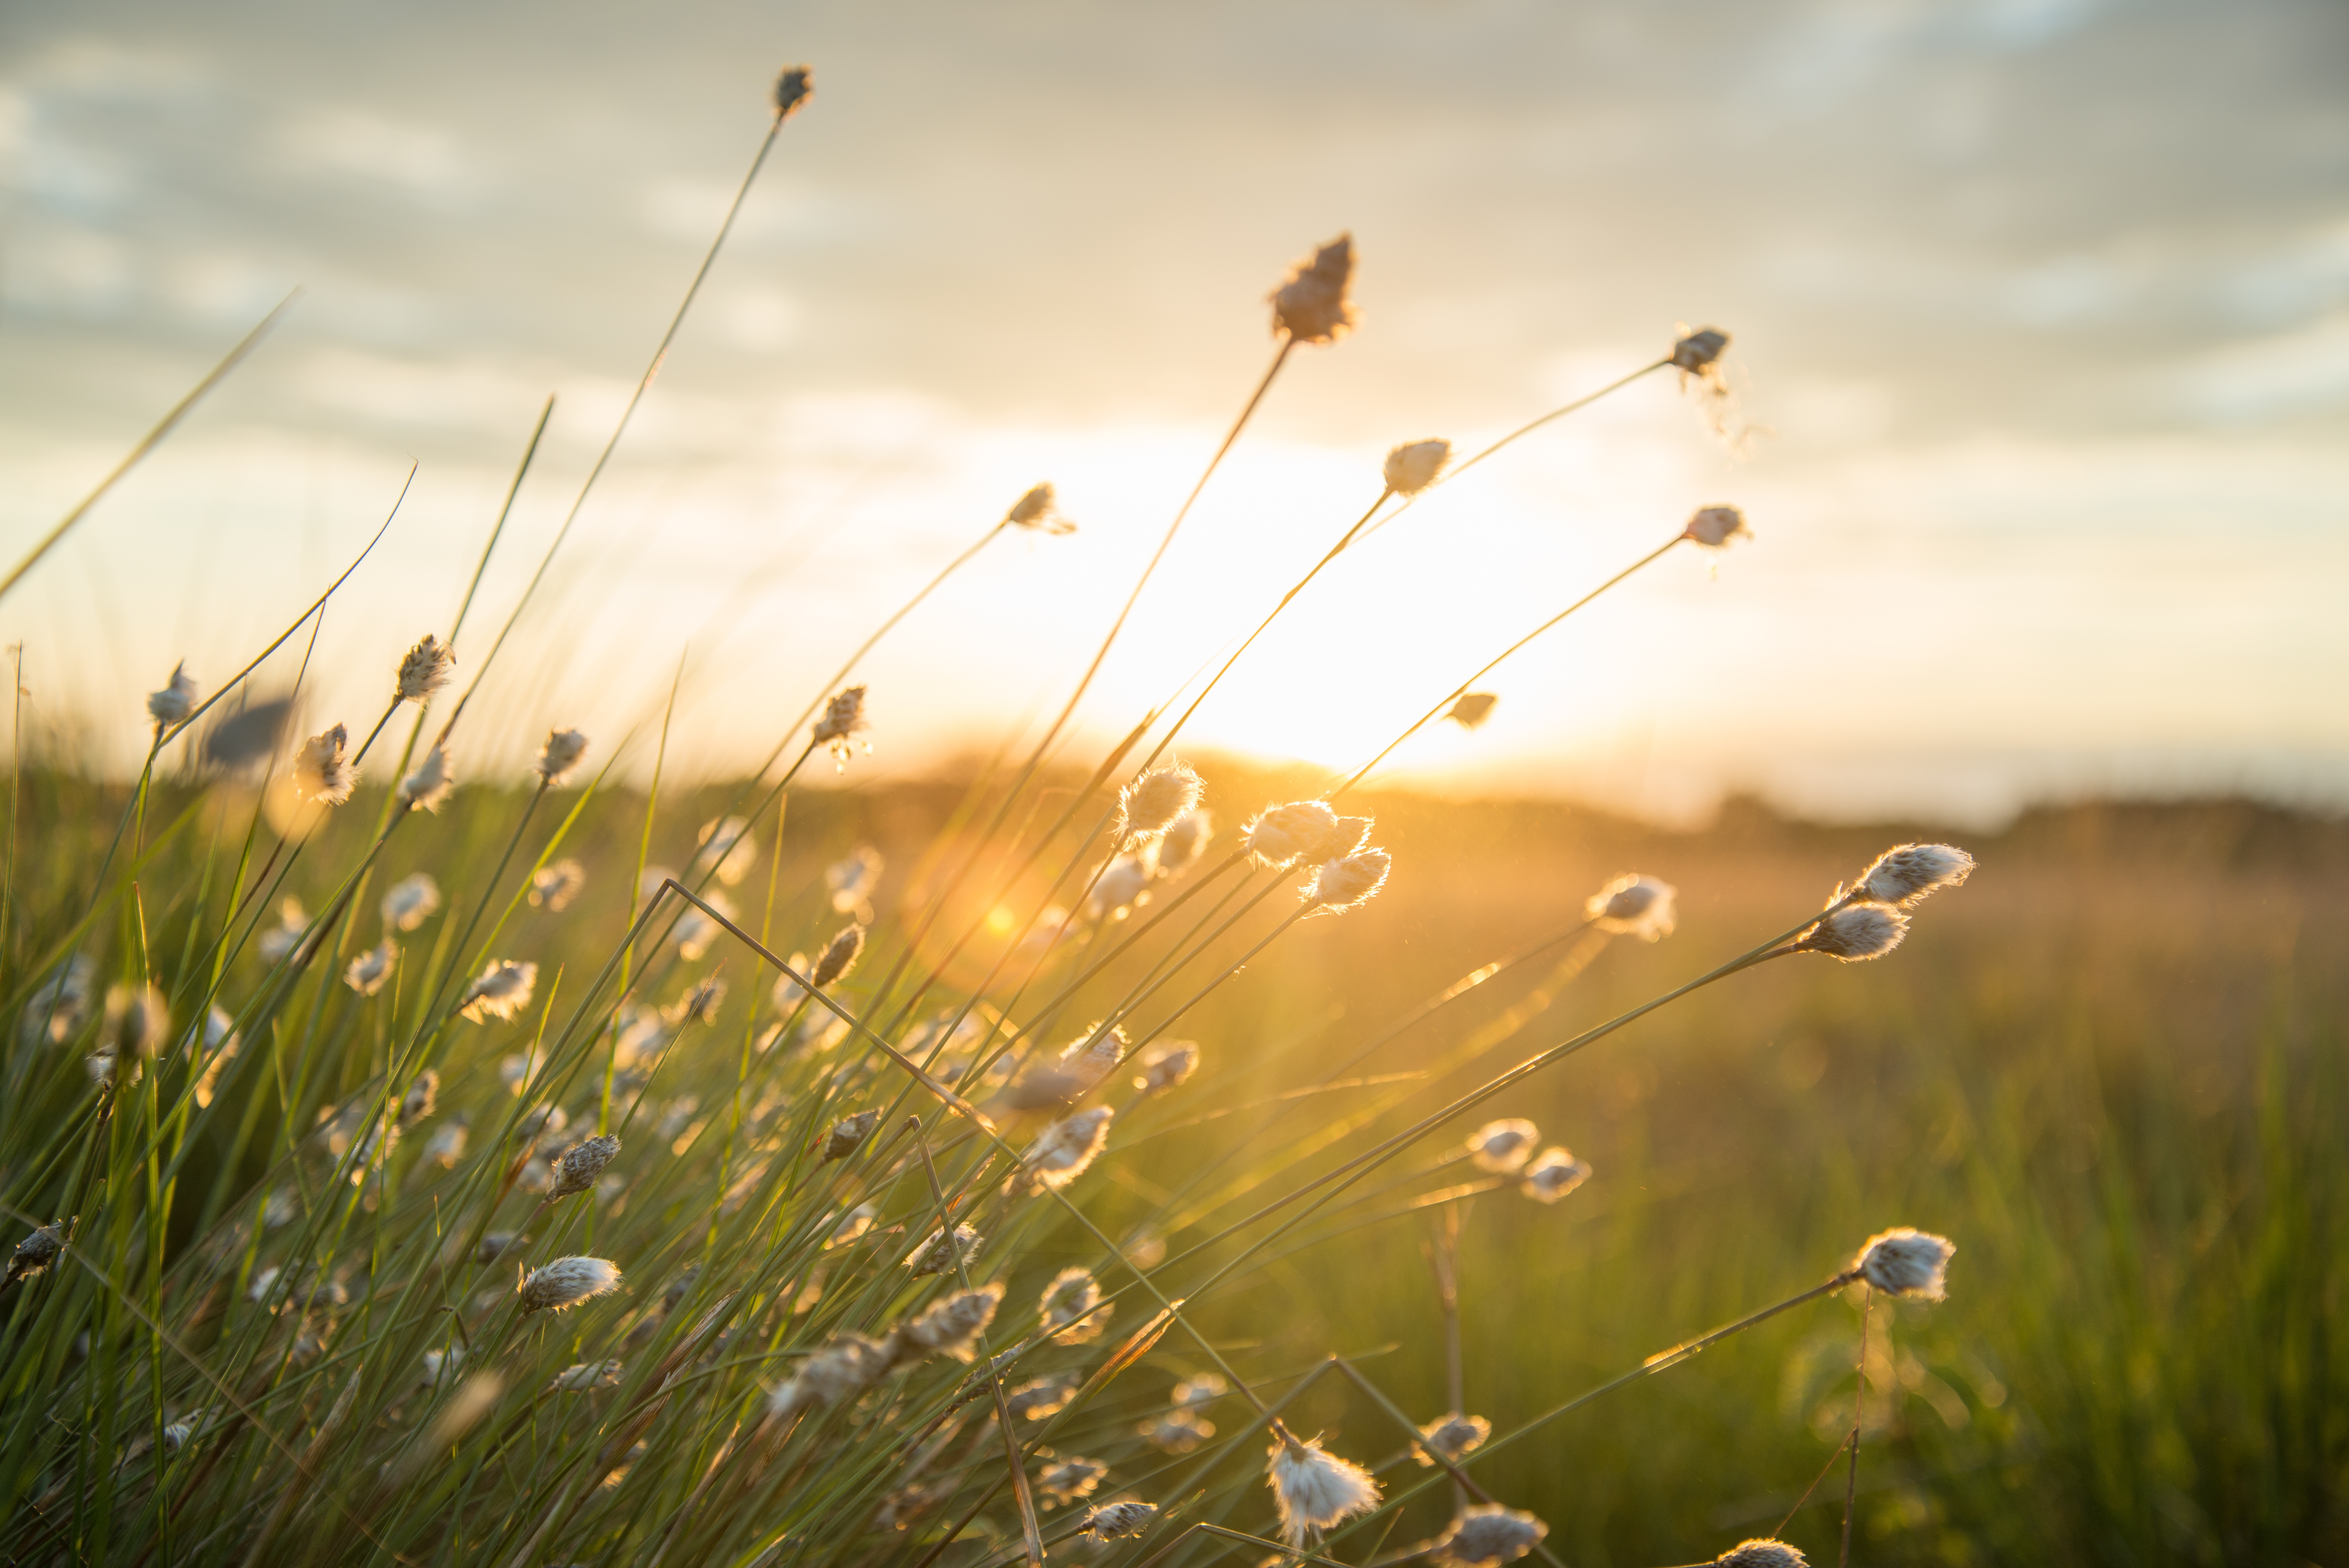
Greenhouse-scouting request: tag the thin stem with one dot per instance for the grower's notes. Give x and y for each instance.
(1858, 1412)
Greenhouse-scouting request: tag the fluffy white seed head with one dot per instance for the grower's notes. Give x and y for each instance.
(839, 956)
(1487, 1534)
(1907, 1263)
(282, 938)
(1063, 1150)
(1164, 1065)
(1348, 883)
(1315, 1489)
(1696, 351)
(429, 665)
(1091, 1055)
(567, 1282)
(842, 1369)
(728, 848)
(581, 1376)
(367, 972)
(1412, 467)
(939, 1254)
(323, 770)
(1312, 305)
(1176, 1432)
(1038, 512)
(1282, 834)
(1112, 1521)
(59, 1005)
(848, 1133)
(560, 754)
(577, 1166)
(1714, 526)
(1909, 872)
(136, 1021)
(1471, 708)
(1451, 1436)
(1553, 1174)
(553, 887)
(1761, 1554)
(1198, 1393)
(430, 784)
(1185, 841)
(1068, 1480)
(503, 990)
(1860, 931)
(1504, 1146)
(852, 880)
(1124, 884)
(422, 1098)
(1155, 802)
(844, 719)
(952, 1326)
(177, 699)
(1039, 1397)
(411, 902)
(793, 88)
(1633, 905)
(1070, 1309)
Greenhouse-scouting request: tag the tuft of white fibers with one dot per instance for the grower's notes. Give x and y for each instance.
(1634, 905)
(1472, 708)
(422, 1096)
(567, 1282)
(1281, 834)
(581, 1376)
(1348, 883)
(447, 1144)
(1039, 1397)
(1070, 1478)
(847, 1133)
(727, 848)
(1761, 1554)
(177, 699)
(1553, 1174)
(700, 1005)
(1504, 1146)
(1909, 872)
(560, 754)
(1450, 1436)
(1166, 1064)
(852, 880)
(36, 1251)
(59, 1005)
(1063, 1150)
(839, 956)
(553, 887)
(939, 1254)
(220, 1042)
(503, 990)
(1198, 1393)
(1347, 836)
(441, 1366)
(1412, 467)
(429, 665)
(1714, 526)
(1908, 1263)
(323, 770)
(853, 1225)
(1312, 305)
(1486, 1532)
(1124, 884)
(793, 88)
(695, 931)
(844, 719)
(1856, 932)
(1070, 1309)
(281, 939)
(1112, 1521)
(367, 972)
(952, 1326)
(432, 783)
(1696, 351)
(1315, 1489)
(577, 1166)
(1176, 1432)
(843, 1368)
(1186, 839)
(411, 902)
(1038, 512)
(137, 1019)
(1152, 803)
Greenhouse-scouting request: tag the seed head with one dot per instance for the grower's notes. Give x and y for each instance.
(1907, 1263)
(496, 1244)
(1502, 1146)
(939, 1254)
(1176, 1432)
(853, 1225)
(793, 88)
(728, 848)
(135, 1024)
(1347, 836)
(697, 1006)
(1041, 1397)
(503, 990)
(847, 1133)
(367, 972)
(1714, 526)
(1859, 931)
(36, 1250)
(1634, 905)
(554, 886)
(422, 1097)
(1451, 1435)
(845, 1368)
(1281, 834)
(322, 772)
(428, 666)
(576, 1169)
(852, 880)
(1472, 708)
(1486, 1532)
(1063, 1150)
(1315, 1489)
(411, 902)
(1037, 512)
(1198, 1393)
(1186, 840)
(1349, 884)
(1166, 1064)
(1070, 1310)
(1762, 1555)
(430, 784)
(1696, 351)
(1412, 467)
(567, 1282)
(1091, 1055)
(284, 936)
(1113, 1520)
(952, 1326)
(1155, 802)
(839, 956)
(1070, 1478)
(561, 754)
(1124, 883)
(583, 1376)
(59, 1005)
(177, 699)
(843, 720)
(1553, 1173)
(447, 1144)
(1909, 873)
(1312, 305)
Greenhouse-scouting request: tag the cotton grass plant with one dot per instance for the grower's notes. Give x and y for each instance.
(384, 1227)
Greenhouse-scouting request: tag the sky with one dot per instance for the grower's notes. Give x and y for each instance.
(2040, 312)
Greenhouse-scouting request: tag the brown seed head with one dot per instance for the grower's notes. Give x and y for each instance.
(1311, 306)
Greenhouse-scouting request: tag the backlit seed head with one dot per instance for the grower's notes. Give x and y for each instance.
(1504, 1146)
(1347, 836)
(36, 1251)
(852, 880)
(1281, 834)
(561, 754)
(1198, 1393)
(284, 936)
(1070, 1309)
(847, 1133)
(1154, 802)
(553, 887)
(137, 1019)
(1553, 1174)
(1451, 1435)
(567, 1282)
(432, 783)
(323, 771)
(576, 1169)
(1176, 1431)
(1124, 884)
(793, 88)
(59, 1005)
(581, 1376)
(1315, 1489)
(1861, 931)
(1165, 1066)
(1761, 1554)
(728, 848)
(1634, 905)
(700, 1005)
(1063, 1150)
(844, 719)
(843, 1368)
(1907, 1263)
(411, 902)
(1041, 1397)
(1472, 708)
(1697, 351)
(503, 990)
(1091, 1055)
(1311, 306)
(939, 1254)
(952, 1326)
(441, 1366)
(177, 699)
(1714, 526)
(1036, 512)
(367, 972)
(1909, 872)
(839, 956)
(1349, 884)
(1486, 1533)
(1412, 467)
(853, 1225)
(1070, 1478)
(1186, 840)
(1112, 1521)
(429, 665)
(422, 1098)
